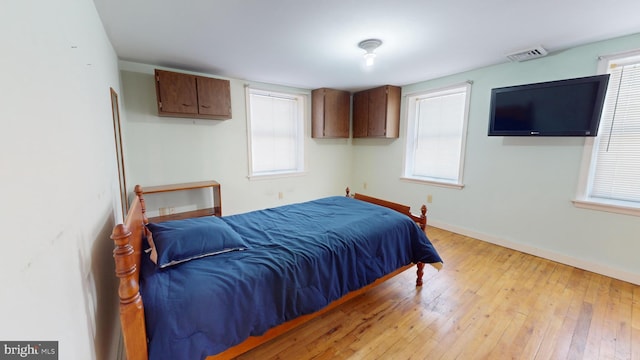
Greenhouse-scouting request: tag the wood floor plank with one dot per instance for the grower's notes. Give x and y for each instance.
(635, 323)
(598, 299)
(610, 323)
(534, 331)
(623, 337)
(488, 302)
(581, 332)
(510, 345)
(571, 336)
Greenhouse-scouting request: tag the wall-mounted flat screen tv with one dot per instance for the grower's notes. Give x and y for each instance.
(570, 107)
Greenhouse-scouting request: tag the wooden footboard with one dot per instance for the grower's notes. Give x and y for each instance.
(129, 238)
(421, 219)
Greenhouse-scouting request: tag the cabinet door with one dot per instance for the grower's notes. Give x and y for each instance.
(377, 112)
(336, 114)
(393, 112)
(214, 98)
(360, 113)
(317, 113)
(176, 93)
(330, 113)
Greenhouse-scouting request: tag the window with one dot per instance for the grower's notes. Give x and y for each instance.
(611, 166)
(436, 135)
(276, 132)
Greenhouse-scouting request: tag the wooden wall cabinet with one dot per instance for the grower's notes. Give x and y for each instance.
(376, 112)
(330, 113)
(192, 96)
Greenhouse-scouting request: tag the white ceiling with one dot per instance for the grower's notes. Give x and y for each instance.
(312, 44)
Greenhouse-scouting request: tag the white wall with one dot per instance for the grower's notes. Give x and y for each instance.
(58, 177)
(518, 191)
(162, 150)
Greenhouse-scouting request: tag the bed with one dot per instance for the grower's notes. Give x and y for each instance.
(269, 271)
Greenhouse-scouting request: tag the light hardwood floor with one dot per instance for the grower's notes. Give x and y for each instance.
(488, 302)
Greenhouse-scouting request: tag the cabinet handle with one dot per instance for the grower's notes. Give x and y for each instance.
(205, 106)
(186, 104)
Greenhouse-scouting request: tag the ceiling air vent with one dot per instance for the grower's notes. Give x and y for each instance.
(528, 54)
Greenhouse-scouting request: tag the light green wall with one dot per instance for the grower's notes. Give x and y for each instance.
(161, 150)
(518, 191)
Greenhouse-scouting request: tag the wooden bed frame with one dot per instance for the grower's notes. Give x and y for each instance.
(128, 239)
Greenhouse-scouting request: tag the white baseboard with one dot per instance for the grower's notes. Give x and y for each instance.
(550, 255)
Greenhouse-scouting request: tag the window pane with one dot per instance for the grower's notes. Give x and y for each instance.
(440, 123)
(616, 174)
(435, 135)
(276, 133)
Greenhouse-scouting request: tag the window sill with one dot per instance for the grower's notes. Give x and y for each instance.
(618, 207)
(433, 182)
(276, 176)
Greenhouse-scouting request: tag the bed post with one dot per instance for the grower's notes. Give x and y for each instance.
(143, 208)
(423, 226)
(128, 239)
(131, 309)
(423, 217)
(419, 273)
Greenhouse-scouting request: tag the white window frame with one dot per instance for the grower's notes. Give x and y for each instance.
(411, 135)
(587, 168)
(299, 131)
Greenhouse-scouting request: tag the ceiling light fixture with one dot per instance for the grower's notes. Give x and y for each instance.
(369, 46)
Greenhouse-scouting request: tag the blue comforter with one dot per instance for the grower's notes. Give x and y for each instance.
(299, 259)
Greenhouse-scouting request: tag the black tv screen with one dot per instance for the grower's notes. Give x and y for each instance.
(570, 107)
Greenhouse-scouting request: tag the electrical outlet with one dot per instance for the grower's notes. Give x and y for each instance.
(280, 195)
(364, 185)
(167, 211)
(429, 199)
